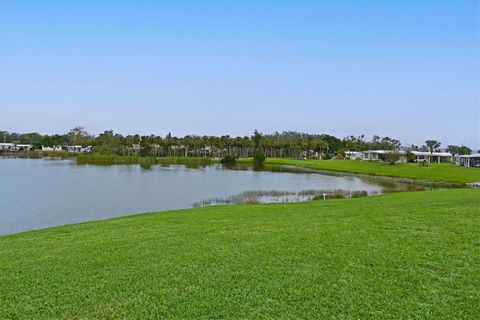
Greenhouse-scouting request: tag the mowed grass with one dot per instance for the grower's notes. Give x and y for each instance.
(404, 255)
(444, 172)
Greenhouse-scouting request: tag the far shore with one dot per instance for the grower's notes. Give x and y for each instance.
(435, 173)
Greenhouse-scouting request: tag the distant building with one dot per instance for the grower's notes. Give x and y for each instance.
(54, 148)
(73, 149)
(432, 157)
(13, 147)
(23, 147)
(134, 149)
(7, 146)
(77, 149)
(381, 155)
(206, 151)
(468, 160)
(353, 155)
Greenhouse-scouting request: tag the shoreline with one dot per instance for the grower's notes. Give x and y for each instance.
(411, 172)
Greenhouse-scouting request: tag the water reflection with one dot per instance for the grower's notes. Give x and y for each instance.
(38, 193)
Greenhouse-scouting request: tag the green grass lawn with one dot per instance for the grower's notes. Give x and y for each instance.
(445, 172)
(402, 255)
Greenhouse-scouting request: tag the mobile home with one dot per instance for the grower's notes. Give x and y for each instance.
(469, 161)
(432, 156)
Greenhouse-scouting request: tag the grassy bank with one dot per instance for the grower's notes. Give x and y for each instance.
(445, 172)
(404, 255)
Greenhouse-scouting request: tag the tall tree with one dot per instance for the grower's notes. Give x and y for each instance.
(459, 149)
(79, 136)
(258, 154)
(432, 145)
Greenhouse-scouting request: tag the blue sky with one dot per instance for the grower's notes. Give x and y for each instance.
(406, 69)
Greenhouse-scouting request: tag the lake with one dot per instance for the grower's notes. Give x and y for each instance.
(39, 193)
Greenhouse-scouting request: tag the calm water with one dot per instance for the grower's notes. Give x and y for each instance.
(38, 193)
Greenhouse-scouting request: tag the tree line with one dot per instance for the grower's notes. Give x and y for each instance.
(285, 144)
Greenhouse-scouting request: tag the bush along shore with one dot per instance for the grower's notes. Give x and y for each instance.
(99, 159)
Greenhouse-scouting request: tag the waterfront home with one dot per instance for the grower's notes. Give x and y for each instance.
(54, 148)
(353, 155)
(135, 148)
(206, 151)
(23, 147)
(73, 149)
(381, 155)
(15, 147)
(432, 156)
(77, 149)
(7, 146)
(468, 160)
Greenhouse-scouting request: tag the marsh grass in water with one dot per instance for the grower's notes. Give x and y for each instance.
(255, 197)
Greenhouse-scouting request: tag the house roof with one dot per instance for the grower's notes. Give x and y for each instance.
(474, 155)
(435, 154)
(383, 151)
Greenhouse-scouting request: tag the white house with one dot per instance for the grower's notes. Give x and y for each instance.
(7, 146)
(23, 147)
(54, 148)
(432, 157)
(468, 160)
(353, 155)
(380, 155)
(86, 149)
(15, 147)
(73, 149)
(206, 151)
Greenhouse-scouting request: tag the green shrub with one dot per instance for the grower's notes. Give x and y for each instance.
(336, 195)
(393, 157)
(228, 160)
(410, 157)
(359, 194)
(423, 163)
(258, 156)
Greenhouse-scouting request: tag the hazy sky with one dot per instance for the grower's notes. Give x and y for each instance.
(406, 69)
